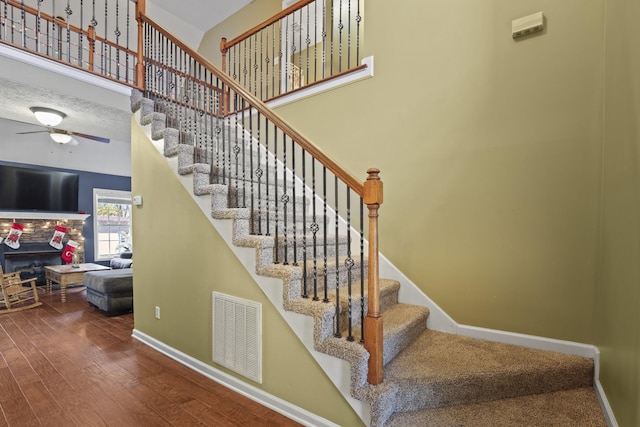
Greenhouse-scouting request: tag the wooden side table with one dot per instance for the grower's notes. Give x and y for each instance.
(67, 275)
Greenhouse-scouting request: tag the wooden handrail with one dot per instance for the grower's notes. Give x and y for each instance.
(224, 45)
(373, 335)
(262, 108)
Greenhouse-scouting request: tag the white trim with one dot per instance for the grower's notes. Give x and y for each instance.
(106, 193)
(272, 402)
(43, 215)
(365, 73)
(64, 70)
(609, 417)
(531, 341)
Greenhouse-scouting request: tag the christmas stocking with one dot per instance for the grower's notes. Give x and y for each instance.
(12, 240)
(67, 254)
(58, 235)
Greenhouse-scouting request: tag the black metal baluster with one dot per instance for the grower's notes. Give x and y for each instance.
(94, 24)
(244, 64)
(324, 234)
(286, 64)
(184, 113)
(361, 270)
(337, 334)
(324, 39)
(295, 202)
(259, 173)
(266, 174)
(333, 20)
(251, 73)
(308, 42)
(251, 170)
(349, 263)
(340, 28)
(280, 58)
(118, 33)
(267, 60)
(275, 190)
(107, 66)
(244, 159)
(315, 41)
(261, 63)
(300, 74)
(305, 293)
(236, 152)
(273, 61)
(349, 34)
(358, 20)
(314, 229)
(23, 37)
(285, 199)
(38, 23)
(81, 36)
(127, 50)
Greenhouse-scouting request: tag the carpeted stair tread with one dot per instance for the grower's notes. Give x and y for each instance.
(440, 369)
(567, 408)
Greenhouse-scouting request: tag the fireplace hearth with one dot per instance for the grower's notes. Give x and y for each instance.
(30, 259)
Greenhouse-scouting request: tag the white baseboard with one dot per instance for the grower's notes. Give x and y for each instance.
(604, 404)
(283, 407)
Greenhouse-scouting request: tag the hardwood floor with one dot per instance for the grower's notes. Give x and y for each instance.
(68, 365)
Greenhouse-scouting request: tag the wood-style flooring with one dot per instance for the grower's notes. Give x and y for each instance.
(68, 365)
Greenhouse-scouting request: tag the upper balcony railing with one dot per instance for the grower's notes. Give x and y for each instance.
(87, 35)
(307, 43)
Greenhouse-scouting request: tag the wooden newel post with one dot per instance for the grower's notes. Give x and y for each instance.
(91, 36)
(223, 50)
(141, 9)
(373, 336)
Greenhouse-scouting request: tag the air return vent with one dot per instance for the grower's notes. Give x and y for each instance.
(237, 335)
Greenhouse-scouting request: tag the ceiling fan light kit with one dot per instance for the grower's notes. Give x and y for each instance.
(61, 138)
(48, 116)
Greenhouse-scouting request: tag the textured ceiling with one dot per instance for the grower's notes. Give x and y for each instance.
(83, 116)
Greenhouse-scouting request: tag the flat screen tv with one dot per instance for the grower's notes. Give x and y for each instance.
(31, 189)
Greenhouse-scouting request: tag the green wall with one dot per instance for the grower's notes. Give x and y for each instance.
(247, 18)
(511, 168)
(181, 260)
(490, 151)
(618, 297)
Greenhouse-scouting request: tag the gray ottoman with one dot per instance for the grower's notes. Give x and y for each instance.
(110, 290)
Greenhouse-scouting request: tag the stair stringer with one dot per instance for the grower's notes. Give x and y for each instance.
(304, 326)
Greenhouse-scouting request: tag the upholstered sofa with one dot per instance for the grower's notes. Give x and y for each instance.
(110, 290)
(124, 260)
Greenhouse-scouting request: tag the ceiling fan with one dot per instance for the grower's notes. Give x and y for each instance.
(50, 118)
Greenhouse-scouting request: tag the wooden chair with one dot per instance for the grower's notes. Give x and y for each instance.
(14, 296)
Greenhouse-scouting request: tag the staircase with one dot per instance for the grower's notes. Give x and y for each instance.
(431, 378)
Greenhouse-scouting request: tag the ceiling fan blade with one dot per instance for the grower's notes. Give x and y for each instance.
(92, 137)
(33, 131)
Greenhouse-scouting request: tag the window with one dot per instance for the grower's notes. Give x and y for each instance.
(111, 223)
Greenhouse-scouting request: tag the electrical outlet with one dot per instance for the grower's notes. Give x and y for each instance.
(157, 312)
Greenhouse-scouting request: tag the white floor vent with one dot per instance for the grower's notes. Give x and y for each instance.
(237, 335)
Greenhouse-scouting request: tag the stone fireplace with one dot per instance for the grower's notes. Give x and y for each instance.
(35, 252)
